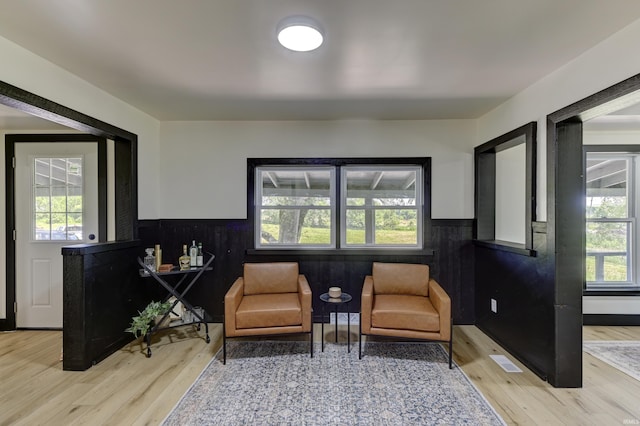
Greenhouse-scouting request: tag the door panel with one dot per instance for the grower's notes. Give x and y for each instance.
(56, 205)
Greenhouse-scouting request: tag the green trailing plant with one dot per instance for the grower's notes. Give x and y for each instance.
(142, 323)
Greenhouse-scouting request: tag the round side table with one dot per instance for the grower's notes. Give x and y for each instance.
(335, 302)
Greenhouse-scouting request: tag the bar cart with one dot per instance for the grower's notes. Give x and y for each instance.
(179, 291)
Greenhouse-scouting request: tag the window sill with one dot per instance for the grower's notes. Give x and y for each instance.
(506, 246)
(341, 252)
(632, 291)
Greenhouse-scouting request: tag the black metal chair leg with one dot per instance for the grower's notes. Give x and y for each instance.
(224, 337)
(311, 338)
(451, 345)
(360, 337)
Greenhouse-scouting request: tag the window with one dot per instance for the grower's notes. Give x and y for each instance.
(611, 196)
(57, 199)
(295, 206)
(340, 203)
(381, 206)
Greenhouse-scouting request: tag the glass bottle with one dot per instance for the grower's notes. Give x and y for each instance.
(193, 254)
(150, 260)
(185, 259)
(200, 257)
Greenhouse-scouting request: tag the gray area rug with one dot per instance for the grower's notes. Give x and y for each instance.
(621, 354)
(277, 383)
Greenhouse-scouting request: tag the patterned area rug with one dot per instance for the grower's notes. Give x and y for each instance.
(277, 383)
(621, 354)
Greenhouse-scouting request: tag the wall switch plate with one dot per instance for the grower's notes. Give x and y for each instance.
(494, 306)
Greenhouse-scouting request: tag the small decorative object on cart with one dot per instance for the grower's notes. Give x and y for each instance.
(335, 292)
(185, 259)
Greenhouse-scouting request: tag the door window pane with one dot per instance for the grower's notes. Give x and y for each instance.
(57, 199)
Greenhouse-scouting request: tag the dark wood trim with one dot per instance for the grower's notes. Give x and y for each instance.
(126, 184)
(505, 246)
(342, 252)
(40, 107)
(485, 182)
(566, 218)
(452, 222)
(612, 292)
(126, 188)
(424, 162)
(86, 249)
(565, 226)
(611, 319)
(9, 323)
(10, 143)
(611, 99)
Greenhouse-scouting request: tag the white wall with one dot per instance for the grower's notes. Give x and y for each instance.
(213, 157)
(30, 72)
(511, 177)
(606, 64)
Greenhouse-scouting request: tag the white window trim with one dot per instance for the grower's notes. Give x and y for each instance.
(633, 237)
(258, 207)
(343, 208)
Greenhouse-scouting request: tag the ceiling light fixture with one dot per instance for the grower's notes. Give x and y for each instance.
(299, 33)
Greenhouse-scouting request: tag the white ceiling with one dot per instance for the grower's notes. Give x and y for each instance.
(401, 59)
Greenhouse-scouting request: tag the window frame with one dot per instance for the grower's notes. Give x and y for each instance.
(425, 209)
(632, 155)
(258, 196)
(419, 195)
(34, 186)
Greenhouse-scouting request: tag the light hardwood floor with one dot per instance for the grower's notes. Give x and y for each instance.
(128, 388)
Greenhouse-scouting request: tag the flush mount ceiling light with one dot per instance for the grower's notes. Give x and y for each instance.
(299, 33)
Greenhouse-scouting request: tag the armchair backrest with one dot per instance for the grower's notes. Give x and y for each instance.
(276, 277)
(400, 278)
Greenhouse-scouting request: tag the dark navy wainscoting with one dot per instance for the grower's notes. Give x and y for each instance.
(229, 240)
(523, 287)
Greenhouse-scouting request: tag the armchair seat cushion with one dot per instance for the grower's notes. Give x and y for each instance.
(269, 310)
(404, 312)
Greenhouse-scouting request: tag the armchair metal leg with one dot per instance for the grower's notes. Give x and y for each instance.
(451, 345)
(224, 340)
(311, 338)
(360, 337)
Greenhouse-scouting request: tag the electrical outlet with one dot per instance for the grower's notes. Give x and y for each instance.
(494, 306)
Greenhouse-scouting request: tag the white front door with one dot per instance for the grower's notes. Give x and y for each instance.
(56, 199)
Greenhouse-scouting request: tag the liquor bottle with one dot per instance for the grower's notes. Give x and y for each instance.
(200, 257)
(158, 253)
(193, 253)
(185, 259)
(150, 260)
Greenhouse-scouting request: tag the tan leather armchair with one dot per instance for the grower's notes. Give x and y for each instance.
(401, 300)
(269, 299)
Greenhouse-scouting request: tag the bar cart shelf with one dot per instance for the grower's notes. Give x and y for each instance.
(179, 291)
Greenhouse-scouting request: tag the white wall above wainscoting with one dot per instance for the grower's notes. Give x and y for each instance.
(203, 165)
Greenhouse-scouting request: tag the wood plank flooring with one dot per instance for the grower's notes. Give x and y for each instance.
(129, 389)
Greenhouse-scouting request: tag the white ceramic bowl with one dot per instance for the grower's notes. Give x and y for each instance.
(335, 292)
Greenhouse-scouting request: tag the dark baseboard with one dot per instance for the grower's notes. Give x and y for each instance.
(610, 319)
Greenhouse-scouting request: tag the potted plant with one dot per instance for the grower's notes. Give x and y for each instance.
(142, 323)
